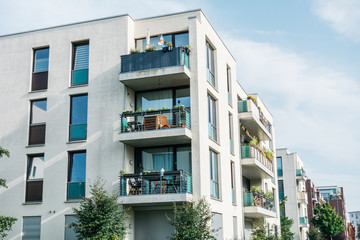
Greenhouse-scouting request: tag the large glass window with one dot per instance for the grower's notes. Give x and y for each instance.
(281, 189)
(177, 39)
(31, 228)
(34, 179)
(246, 184)
(183, 97)
(231, 133)
(210, 64)
(70, 233)
(154, 100)
(40, 69)
(80, 63)
(217, 225)
(37, 122)
(76, 175)
(212, 118)
(78, 118)
(279, 166)
(228, 78)
(233, 187)
(214, 175)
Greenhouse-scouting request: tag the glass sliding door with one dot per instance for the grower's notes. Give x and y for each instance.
(154, 100)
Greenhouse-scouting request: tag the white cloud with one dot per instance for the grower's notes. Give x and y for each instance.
(342, 15)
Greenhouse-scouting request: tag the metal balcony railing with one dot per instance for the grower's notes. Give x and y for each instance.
(249, 151)
(155, 183)
(155, 59)
(155, 119)
(257, 199)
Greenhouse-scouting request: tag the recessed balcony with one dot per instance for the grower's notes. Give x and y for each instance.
(151, 70)
(302, 197)
(304, 222)
(156, 127)
(300, 174)
(255, 164)
(254, 120)
(149, 188)
(257, 205)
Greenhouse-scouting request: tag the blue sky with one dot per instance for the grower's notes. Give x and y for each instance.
(301, 56)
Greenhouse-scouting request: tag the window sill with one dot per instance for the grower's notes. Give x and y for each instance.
(31, 203)
(214, 141)
(36, 91)
(74, 201)
(77, 141)
(216, 199)
(213, 87)
(35, 145)
(79, 85)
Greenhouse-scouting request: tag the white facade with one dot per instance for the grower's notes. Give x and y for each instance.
(354, 218)
(293, 178)
(108, 149)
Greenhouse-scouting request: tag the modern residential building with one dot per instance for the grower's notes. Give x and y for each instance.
(354, 219)
(292, 178)
(314, 198)
(186, 128)
(335, 196)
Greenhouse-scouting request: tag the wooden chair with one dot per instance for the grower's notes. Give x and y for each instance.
(155, 122)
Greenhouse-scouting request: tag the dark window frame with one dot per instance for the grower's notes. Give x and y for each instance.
(210, 53)
(29, 181)
(163, 34)
(211, 100)
(32, 125)
(69, 171)
(70, 119)
(212, 178)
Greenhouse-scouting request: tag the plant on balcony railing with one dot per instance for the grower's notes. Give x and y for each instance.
(153, 119)
(155, 182)
(257, 198)
(254, 151)
(262, 118)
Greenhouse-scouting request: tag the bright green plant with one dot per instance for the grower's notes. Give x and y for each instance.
(135, 50)
(358, 231)
(150, 48)
(327, 220)
(192, 221)
(314, 234)
(100, 216)
(254, 141)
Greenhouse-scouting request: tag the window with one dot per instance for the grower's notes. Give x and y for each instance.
(210, 65)
(70, 233)
(78, 117)
(217, 224)
(233, 187)
(31, 228)
(214, 175)
(212, 118)
(76, 175)
(231, 133)
(279, 166)
(80, 65)
(228, 78)
(281, 189)
(235, 235)
(37, 122)
(177, 39)
(246, 184)
(34, 178)
(40, 69)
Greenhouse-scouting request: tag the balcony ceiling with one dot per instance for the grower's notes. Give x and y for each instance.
(253, 169)
(254, 126)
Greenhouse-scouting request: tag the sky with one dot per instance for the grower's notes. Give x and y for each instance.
(301, 56)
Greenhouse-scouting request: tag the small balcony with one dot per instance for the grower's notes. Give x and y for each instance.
(257, 205)
(149, 70)
(304, 222)
(254, 120)
(300, 174)
(156, 127)
(255, 164)
(148, 188)
(302, 197)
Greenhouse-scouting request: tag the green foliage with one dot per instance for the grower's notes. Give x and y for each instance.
(2, 153)
(192, 221)
(285, 222)
(358, 231)
(314, 234)
(150, 48)
(6, 225)
(100, 216)
(260, 232)
(327, 220)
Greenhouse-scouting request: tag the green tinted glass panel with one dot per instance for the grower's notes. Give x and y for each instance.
(79, 77)
(243, 106)
(76, 190)
(78, 132)
(248, 199)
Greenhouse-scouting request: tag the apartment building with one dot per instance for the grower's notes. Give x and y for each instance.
(314, 198)
(176, 124)
(292, 178)
(354, 218)
(335, 196)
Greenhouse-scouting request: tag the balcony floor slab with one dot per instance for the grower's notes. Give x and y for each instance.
(258, 212)
(154, 199)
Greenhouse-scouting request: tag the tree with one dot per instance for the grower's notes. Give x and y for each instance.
(285, 222)
(314, 234)
(100, 216)
(358, 231)
(192, 221)
(260, 232)
(327, 220)
(5, 222)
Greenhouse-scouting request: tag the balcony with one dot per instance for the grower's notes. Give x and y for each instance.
(255, 164)
(149, 188)
(149, 70)
(302, 197)
(300, 174)
(156, 128)
(304, 222)
(257, 205)
(254, 120)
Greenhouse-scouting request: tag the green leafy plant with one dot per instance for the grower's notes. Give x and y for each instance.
(135, 50)
(122, 172)
(100, 216)
(269, 195)
(169, 44)
(192, 221)
(269, 154)
(358, 231)
(314, 234)
(327, 220)
(139, 110)
(260, 232)
(151, 109)
(254, 141)
(150, 48)
(164, 108)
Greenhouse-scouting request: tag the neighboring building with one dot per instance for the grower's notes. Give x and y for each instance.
(335, 196)
(354, 219)
(292, 178)
(184, 132)
(351, 232)
(314, 198)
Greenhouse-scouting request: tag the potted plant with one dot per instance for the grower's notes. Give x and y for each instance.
(187, 49)
(254, 141)
(150, 48)
(134, 50)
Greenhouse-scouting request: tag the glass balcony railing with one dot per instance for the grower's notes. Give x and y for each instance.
(303, 220)
(280, 172)
(257, 199)
(249, 105)
(79, 77)
(281, 195)
(300, 172)
(76, 190)
(249, 151)
(155, 120)
(78, 132)
(155, 183)
(155, 59)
